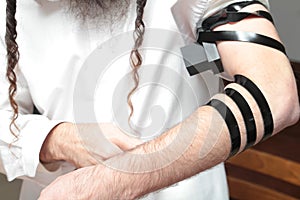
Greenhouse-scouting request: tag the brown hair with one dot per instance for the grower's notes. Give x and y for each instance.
(12, 59)
(13, 56)
(135, 56)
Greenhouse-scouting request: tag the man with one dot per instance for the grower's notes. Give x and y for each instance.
(186, 149)
(61, 40)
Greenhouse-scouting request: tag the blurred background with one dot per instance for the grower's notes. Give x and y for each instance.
(271, 170)
(287, 19)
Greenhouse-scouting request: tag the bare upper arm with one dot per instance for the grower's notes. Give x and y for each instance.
(268, 68)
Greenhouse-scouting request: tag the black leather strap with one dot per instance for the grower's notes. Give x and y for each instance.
(240, 5)
(241, 36)
(231, 14)
(227, 17)
(246, 113)
(231, 123)
(261, 102)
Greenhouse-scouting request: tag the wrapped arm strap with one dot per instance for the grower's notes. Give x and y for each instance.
(204, 55)
(212, 37)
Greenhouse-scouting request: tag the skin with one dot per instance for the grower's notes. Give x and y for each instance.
(209, 145)
(78, 149)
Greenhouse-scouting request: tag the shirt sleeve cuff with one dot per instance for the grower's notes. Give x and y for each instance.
(33, 136)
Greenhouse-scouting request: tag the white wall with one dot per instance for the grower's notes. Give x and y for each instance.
(286, 14)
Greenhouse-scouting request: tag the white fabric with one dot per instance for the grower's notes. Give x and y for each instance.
(54, 46)
(219, 4)
(204, 8)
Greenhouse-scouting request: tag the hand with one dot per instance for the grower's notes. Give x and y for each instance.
(85, 144)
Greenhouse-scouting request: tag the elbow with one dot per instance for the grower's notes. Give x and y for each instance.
(294, 110)
(293, 103)
(295, 107)
(289, 110)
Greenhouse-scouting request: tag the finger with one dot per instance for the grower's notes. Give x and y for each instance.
(114, 136)
(95, 140)
(88, 159)
(125, 142)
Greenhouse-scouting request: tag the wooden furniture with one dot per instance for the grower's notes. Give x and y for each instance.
(255, 174)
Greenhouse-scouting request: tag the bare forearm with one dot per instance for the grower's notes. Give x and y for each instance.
(203, 140)
(200, 142)
(182, 152)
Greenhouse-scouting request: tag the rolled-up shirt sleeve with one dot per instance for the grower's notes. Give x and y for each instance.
(188, 12)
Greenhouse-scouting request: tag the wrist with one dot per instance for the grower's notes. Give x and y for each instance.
(53, 147)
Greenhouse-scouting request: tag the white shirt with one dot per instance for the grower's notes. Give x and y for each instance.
(57, 51)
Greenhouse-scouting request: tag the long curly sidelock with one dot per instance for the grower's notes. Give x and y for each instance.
(136, 59)
(13, 56)
(12, 60)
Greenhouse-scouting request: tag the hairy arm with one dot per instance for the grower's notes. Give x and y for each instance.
(203, 139)
(84, 144)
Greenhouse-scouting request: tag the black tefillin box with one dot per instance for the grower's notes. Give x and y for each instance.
(199, 58)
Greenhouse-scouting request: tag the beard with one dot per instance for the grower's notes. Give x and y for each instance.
(110, 10)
